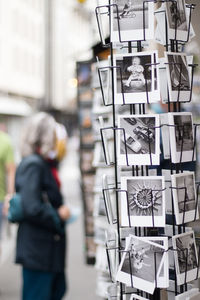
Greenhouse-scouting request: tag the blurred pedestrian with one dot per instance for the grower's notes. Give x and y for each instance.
(41, 235)
(61, 143)
(59, 152)
(7, 172)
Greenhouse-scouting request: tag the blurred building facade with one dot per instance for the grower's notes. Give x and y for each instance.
(22, 40)
(70, 38)
(40, 42)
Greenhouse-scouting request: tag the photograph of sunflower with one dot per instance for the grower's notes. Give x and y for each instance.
(144, 204)
(145, 196)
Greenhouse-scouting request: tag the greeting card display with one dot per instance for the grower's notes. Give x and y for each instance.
(170, 30)
(131, 20)
(181, 137)
(184, 197)
(99, 206)
(139, 140)
(145, 209)
(136, 78)
(185, 256)
(109, 201)
(178, 76)
(177, 20)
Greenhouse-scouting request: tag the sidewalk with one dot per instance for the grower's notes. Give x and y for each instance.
(81, 278)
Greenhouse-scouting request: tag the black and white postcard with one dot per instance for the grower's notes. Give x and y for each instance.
(138, 263)
(102, 155)
(97, 125)
(104, 81)
(109, 201)
(101, 262)
(184, 197)
(100, 171)
(100, 228)
(136, 78)
(177, 20)
(163, 275)
(185, 256)
(132, 20)
(99, 206)
(107, 143)
(146, 201)
(139, 137)
(181, 137)
(112, 251)
(162, 29)
(98, 106)
(165, 135)
(99, 156)
(178, 76)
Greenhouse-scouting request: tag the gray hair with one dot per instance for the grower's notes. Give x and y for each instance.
(38, 133)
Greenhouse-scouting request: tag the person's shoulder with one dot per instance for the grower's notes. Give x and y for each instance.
(33, 159)
(30, 163)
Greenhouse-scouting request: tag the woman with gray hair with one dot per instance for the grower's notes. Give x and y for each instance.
(41, 235)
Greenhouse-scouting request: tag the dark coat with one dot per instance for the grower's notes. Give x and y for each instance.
(39, 245)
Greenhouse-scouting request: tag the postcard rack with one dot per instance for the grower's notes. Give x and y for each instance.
(129, 46)
(84, 97)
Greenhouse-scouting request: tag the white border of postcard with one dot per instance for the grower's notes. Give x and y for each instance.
(192, 273)
(138, 186)
(134, 82)
(187, 154)
(108, 200)
(137, 297)
(140, 142)
(179, 194)
(179, 33)
(138, 282)
(127, 30)
(175, 93)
